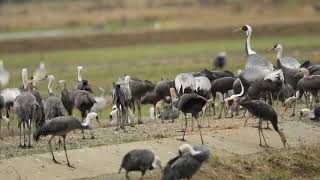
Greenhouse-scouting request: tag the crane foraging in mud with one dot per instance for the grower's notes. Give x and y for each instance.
(264, 112)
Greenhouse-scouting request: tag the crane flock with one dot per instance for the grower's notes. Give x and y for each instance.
(258, 83)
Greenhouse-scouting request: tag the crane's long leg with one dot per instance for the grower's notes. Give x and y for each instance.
(294, 109)
(24, 135)
(200, 131)
(259, 134)
(245, 122)
(260, 126)
(83, 115)
(185, 128)
(222, 106)
(20, 135)
(0, 129)
(65, 151)
(29, 133)
(139, 112)
(192, 123)
(49, 142)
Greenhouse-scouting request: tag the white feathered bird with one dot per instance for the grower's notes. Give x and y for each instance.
(4, 75)
(101, 102)
(184, 81)
(203, 83)
(10, 94)
(40, 72)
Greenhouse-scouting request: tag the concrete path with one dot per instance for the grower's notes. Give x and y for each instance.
(99, 161)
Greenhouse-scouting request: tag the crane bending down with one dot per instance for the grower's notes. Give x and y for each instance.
(61, 126)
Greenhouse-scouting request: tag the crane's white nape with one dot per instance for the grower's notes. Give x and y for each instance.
(187, 148)
(156, 162)
(127, 80)
(248, 30)
(50, 78)
(279, 49)
(79, 68)
(90, 117)
(24, 74)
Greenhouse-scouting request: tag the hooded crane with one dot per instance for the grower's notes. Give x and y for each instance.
(264, 112)
(222, 85)
(163, 89)
(138, 89)
(39, 116)
(82, 100)
(193, 104)
(187, 163)
(82, 84)
(4, 75)
(140, 160)
(25, 106)
(120, 99)
(61, 126)
(53, 106)
(308, 83)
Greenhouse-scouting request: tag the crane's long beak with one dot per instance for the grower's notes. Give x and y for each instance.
(270, 49)
(238, 29)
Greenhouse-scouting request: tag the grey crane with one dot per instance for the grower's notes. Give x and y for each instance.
(151, 97)
(4, 75)
(138, 89)
(39, 116)
(121, 100)
(25, 106)
(222, 85)
(53, 106)
(61, 126)
(81, 99)
(314, 69)
(140, 160)
(220, 61)
(264, 112)
(193, 104)
(163, 88)
(82, 83)
(310, 83)
(187, 163)
(67, 97)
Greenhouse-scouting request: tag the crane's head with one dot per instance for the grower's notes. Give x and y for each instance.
(187, 148)
(303, 72)
(156, 162)
(79, 68)
(42, 65)
(48, 77)
(246, 28)
(277, 48)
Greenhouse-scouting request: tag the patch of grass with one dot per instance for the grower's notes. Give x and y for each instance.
(301, 162)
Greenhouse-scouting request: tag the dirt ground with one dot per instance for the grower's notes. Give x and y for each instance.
(100, 158)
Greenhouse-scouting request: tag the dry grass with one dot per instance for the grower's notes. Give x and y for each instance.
(294, 163)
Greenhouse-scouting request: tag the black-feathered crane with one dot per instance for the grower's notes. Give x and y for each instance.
(264, 112)
(140, 160)
(187, 163)
(193, 104)
(61, 126)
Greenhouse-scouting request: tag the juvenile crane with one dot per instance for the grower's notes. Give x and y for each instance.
(61, 126)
